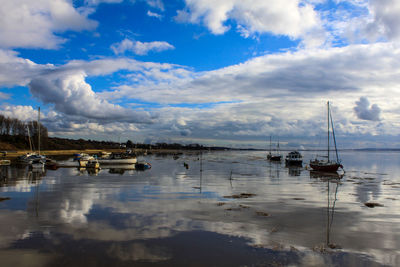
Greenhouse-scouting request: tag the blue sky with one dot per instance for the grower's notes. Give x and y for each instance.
(226, 72)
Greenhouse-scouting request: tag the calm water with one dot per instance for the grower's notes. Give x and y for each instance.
(173, 216)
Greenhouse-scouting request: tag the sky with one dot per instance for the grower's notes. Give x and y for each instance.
(214, 72)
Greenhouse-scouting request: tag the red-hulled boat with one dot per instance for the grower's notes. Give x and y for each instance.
(327, 165)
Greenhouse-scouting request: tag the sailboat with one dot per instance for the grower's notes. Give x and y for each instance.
(38, 161)
(274, 156)
(327, 165)
(34, 159)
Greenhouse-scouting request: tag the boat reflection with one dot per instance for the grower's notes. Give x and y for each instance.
(20, 177)
(325, 175)
(294, 170)
(333, 182)
(93, 171)
(119, 168)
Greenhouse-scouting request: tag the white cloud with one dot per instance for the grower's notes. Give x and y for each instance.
(33, 24)
(15, 70)
(279, 93)
(386, 19)
(24, 113)
(140, 48)
(292, 18)
(154, 15)
(71, 95)
(364, 111)
(156, 4)
(363, 21)
(98, 2)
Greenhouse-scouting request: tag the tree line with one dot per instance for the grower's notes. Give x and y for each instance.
(16, 134)
(22, 134)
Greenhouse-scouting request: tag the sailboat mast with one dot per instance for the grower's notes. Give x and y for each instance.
(334, 139)
(270, 145)
(278, 148)
(328, 131)
(39, 130)
(29, 136)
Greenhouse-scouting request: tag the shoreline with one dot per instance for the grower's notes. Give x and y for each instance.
(70, 152)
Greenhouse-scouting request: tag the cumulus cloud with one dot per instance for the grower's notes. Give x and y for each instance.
(15, 70)
(386, 19)
(362, 21)
(304, 73)
(283, 93)
(33, 24)
(24, 113)
(364, 111)
(71, 95)
(292, 18)
(350, 21)
(140, 48)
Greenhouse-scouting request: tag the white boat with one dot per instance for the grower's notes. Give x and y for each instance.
(31, 158)
(93, 164)
(104, 154)
(84, 160)
(34, 159)
(118, 158)
(38, 163)
(294, 158)
(5, 162)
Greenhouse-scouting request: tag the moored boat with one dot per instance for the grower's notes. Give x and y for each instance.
(142, 166)
(37, 162)
(327, 165)
(274, 155)
(84, 160)
(294, 158)
(5, 162)
(34, 159)
(93, 164)
(118, 158)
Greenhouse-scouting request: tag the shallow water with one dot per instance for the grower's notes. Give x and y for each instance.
(230, 208)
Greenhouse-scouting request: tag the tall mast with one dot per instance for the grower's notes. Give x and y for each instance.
(39, 130)
(278, 147)
(29, 136)
(328, 131)
(270, 145)
(334, 139)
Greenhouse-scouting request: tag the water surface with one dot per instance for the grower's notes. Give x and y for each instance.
(230, 208)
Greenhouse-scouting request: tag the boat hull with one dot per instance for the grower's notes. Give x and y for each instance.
(117, 161)
(331, 167)
(93, 164)
(293, 162)
(5, 162)
(274, 157)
